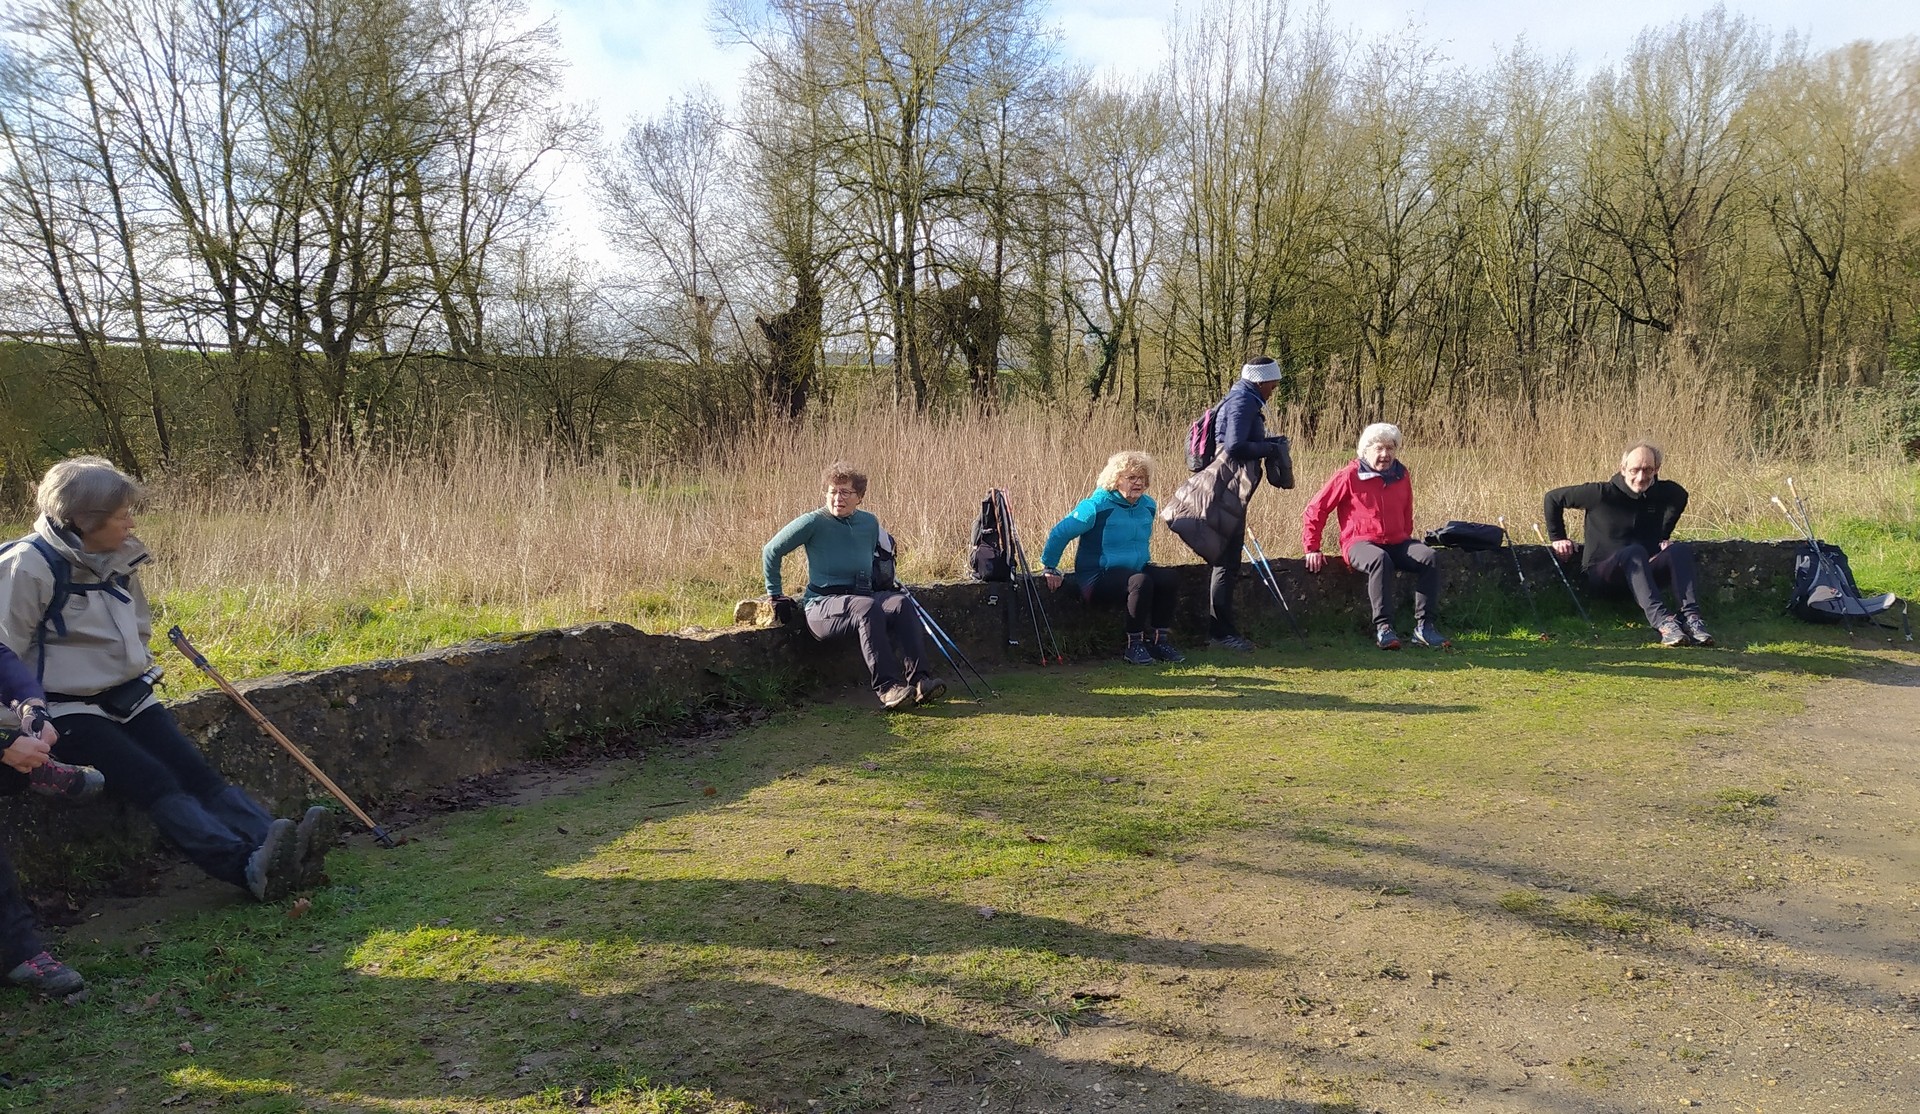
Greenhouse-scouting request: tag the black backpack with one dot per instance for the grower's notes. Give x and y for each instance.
(990, 560)
(1474, 537)
(885, 578)
(63, 590)
(1824, 590)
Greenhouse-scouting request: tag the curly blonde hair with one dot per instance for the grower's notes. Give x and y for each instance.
(1123, 463)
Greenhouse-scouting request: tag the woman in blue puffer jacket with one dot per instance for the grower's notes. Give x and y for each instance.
(1114, 526)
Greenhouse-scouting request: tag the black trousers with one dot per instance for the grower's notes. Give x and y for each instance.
(19, 936)
(1645, 574)
(149, 762)
(1149, 593)
(889, 631)
(1377, 562)
(1220, 588)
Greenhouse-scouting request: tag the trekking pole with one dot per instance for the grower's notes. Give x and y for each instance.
(1257, 556)
(1571, 594)
(1532, 605)
(926, 624)
(180, 642)
(1022, 586)
(948, 647)
(1039, 607)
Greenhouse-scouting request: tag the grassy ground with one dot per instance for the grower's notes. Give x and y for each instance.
(994, 906)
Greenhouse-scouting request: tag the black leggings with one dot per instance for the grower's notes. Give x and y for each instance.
(1150, 594)
(148, 761)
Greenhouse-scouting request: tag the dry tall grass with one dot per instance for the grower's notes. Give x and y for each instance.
(509, 529)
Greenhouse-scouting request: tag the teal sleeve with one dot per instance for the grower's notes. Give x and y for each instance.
(1078, 521)
(791, 537)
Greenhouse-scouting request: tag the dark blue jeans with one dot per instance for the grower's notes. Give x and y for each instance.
(149, 762)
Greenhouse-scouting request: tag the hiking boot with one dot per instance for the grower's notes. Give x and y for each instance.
(1426, 634)
(1163, 649)
(313, 837)
(1385, 638)
(896, 696)
(73, 783)
(1671, 633)
(46, 975)
(928, 689)
(1136, 652)
(272, 866)
(1235, 642)
(1697, 629)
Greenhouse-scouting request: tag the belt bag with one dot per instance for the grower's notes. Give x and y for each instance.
(118, 701)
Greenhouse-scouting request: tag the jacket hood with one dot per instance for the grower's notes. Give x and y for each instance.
(1619, 483)
(121, 562)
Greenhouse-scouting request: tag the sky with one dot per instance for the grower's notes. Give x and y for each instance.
(629, 58)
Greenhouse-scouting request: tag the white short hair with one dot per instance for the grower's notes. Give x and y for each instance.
(1379, 433)
(82, 492)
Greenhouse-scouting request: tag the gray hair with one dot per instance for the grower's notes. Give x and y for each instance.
(1377, 434)
(85, 491)
(1652, 449)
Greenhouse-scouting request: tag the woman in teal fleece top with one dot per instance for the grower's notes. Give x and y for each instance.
(841, 540)
(1114, 526)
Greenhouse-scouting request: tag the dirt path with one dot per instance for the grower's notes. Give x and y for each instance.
(1770, 958)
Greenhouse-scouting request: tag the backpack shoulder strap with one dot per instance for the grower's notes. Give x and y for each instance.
(62, 589)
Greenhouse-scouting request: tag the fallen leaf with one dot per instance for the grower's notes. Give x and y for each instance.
(299, 908)
(174, 1100)
(708, 791)
(986, 911)
(186, 1047)
(1032, 838)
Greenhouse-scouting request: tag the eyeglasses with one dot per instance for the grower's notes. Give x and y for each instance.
(844, 491)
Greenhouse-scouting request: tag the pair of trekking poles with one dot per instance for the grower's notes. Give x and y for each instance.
(1520, 572)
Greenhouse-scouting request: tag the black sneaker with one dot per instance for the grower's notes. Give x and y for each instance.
(313, 837)
(46, 975)
(1163, 649)
(1671, 633)
(1235, 642)
(1697, 630)
(72, 783)
(1136, 653)
(271, 867)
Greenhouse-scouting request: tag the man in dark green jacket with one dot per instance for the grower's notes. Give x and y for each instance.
(1629, 526)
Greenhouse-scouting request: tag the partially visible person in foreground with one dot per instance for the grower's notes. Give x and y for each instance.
(1629, 542)
(88, 650)
(1373, 497)
(840, 541)
(1114, 528)
(25, 761)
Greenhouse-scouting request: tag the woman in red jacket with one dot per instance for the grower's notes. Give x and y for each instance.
(1373, 497)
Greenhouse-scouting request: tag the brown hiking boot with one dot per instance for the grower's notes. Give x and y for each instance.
(928, 689)
(896, 696)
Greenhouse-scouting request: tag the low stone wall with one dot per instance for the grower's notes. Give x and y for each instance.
(387, 727)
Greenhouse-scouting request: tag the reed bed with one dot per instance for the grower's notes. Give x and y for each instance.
(491, 534)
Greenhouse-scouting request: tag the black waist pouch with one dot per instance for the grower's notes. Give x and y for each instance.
(118, 701)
